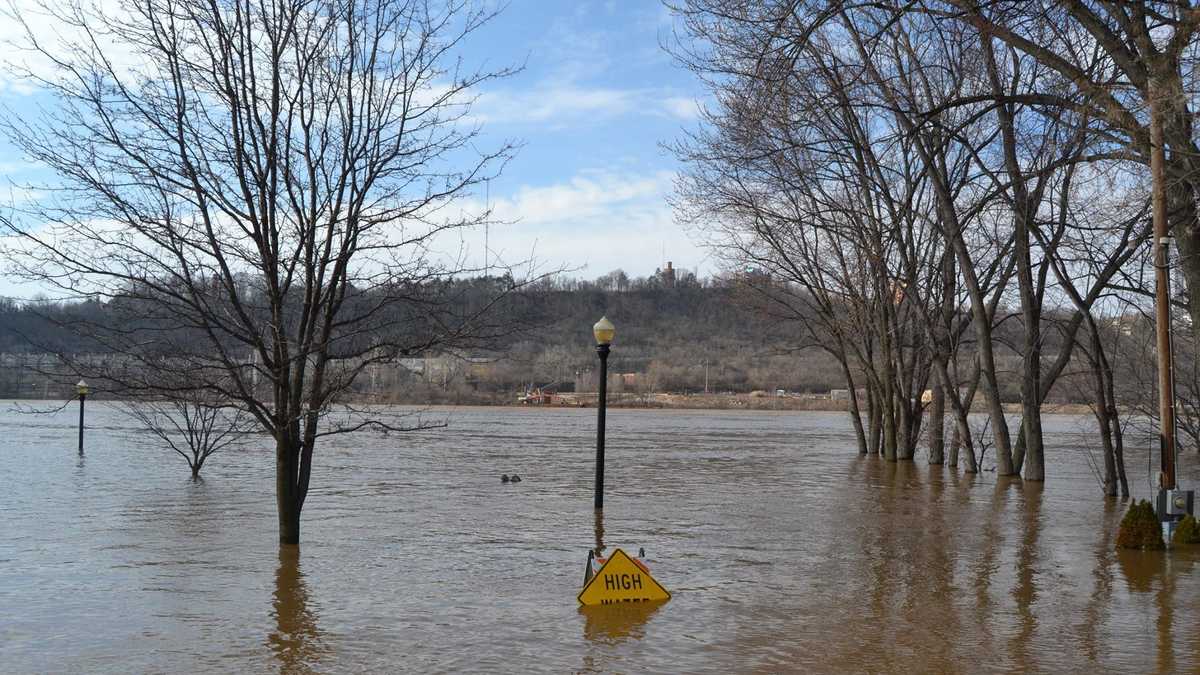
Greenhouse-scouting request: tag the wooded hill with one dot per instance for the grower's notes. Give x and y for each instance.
(667, 336)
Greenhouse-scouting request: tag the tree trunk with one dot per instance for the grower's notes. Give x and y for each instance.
(287, 496)
(889, 425)
(937, 425)
(1119, 454)
(1035, 464)
(1103, 418)
(982, 322)
(876, 421)
(955, 444)
(962, 429)
(888, 395)
(967, 402)
(855, 413)
(1114, 416)
(905, 442)
(942, 355)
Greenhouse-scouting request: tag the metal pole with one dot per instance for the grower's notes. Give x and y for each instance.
(602, 350)
(1162, 294)
(82, 398)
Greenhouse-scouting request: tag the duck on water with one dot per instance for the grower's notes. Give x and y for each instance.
(505, 478)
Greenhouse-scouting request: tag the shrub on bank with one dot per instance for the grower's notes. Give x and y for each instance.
(1188, 532)
(1140, 528)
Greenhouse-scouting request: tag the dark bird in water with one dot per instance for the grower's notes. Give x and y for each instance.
(515, 478)
(504, 478)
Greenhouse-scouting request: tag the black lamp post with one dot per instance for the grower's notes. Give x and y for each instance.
(604, 332)
(82, 389)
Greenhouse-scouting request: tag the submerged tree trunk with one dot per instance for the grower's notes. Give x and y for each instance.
(905, 443)
(1119, 454)
(962, 428)
(876, 421)
(955, 442)
(1106, 436)
(937, 425)
(1104, 415)
(943, 354)
(1109, 397)
(887, 403)
(967, 402)
(855, 412)
(287, 493)
(1034, 458)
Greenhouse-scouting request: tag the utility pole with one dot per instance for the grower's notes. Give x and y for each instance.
(1162, 295)
(1170, 504)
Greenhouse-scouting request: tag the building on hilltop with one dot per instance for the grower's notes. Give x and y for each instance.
(667, 276)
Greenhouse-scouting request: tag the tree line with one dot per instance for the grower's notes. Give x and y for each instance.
(922, 173)
(714, 333)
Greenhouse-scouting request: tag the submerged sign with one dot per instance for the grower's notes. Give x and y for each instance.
(622, 579)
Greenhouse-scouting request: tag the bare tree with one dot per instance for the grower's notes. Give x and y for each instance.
(192, 427)
(259, 199)
(1113, 59)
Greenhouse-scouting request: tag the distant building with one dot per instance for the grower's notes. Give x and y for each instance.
(927, 395)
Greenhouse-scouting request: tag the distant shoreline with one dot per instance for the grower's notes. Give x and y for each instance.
(784, 403)
(711, 402)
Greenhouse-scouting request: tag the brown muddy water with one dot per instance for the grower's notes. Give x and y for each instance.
(784, 550)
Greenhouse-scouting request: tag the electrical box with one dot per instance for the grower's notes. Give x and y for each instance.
(1174, 504)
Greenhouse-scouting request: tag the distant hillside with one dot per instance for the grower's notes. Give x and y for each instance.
(670, 337)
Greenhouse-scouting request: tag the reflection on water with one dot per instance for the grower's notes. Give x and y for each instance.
(784, 551)
(1150, 573)
(1025, 592)
(608, 628)
(1141, 569)
(614, 623)
(296, 641)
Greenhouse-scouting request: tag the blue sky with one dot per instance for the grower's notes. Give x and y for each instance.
(596, 100)
(592, 107)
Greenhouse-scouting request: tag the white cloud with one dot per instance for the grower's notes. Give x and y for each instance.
(681, 107)
(44, 21)
(553, 103)
(564, 104)
(592, 223)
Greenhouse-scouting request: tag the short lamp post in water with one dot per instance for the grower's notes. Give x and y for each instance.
(82, 389)
(604, 332)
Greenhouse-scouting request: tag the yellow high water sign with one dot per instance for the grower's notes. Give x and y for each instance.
(622, 580)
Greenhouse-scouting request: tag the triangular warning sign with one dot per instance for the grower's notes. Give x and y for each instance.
(621, 580)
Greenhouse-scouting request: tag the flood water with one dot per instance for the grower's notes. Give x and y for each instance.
(783, 549)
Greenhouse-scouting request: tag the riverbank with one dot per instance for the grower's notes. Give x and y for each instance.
(698, 401)
(655, 401)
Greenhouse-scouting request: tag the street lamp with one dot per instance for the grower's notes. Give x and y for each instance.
(604, 332)
(82, 389)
